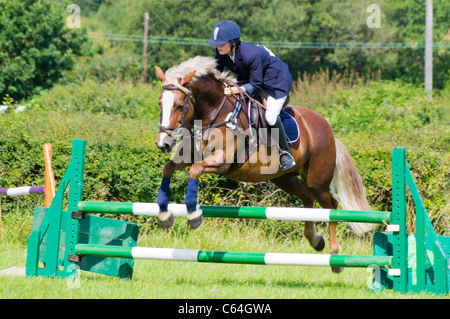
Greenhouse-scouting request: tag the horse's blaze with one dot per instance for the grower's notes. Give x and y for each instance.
(167, 101)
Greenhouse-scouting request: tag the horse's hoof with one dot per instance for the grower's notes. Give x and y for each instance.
(337, 270)
(165, 219)
(337, 251)
(321, 245)
(195, 219)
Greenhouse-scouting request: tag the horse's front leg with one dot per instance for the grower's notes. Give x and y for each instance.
(194, 215)
(165, 216)
(215, 163)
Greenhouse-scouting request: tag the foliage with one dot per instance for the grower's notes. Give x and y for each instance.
(111, 169)
(410, 17)
(123, 163)
(37, 49)
(383, 107)
(275, 22)
(373, 118)
(35, 46)
(121, 65)
(111, 98)
(318, 91)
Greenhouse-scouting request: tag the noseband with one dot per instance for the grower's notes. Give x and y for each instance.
(169, 130)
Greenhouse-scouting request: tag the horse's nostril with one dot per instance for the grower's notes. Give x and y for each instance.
(167, 148)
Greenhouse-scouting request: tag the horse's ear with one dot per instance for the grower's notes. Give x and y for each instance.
(188, 77)
(159, 73)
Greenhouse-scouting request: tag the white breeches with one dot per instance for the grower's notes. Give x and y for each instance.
(274, 107)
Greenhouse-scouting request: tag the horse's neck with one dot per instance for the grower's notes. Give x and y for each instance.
(208, 98)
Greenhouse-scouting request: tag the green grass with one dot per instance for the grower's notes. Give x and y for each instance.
(184, 280)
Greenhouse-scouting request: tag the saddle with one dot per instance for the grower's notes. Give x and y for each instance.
(257, 119)
(258, 132)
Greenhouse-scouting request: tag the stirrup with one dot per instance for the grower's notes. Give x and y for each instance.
(286, 164)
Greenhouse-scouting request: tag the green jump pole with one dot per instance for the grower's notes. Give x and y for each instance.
(274, 213)
(233, 257)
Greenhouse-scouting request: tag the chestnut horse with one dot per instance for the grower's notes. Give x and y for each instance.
(194, 91)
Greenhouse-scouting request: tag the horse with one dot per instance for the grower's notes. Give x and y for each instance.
(193, 91)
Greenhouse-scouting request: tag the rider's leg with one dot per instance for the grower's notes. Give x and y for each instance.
(274, 107)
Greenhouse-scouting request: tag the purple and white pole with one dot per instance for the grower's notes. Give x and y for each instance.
(25, 190)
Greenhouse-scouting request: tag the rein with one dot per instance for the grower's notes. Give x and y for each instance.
(241, 100)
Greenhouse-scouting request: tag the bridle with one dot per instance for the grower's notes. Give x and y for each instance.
(170, 130)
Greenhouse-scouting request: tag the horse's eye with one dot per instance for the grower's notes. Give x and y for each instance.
(179, 107)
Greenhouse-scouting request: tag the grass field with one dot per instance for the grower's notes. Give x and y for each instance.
(184, 280)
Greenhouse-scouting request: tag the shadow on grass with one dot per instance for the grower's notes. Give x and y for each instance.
(261, 282)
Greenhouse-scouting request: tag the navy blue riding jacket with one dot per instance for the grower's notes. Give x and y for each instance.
(259, 67)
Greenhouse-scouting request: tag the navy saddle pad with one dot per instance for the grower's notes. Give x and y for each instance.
(290, 127)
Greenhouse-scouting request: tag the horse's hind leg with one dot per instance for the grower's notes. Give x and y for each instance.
(295, 186)
(327, 201)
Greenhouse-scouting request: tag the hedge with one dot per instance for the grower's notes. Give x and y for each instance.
(123, 163)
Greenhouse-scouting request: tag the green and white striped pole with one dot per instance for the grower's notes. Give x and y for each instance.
(274, 213)
(285, 259)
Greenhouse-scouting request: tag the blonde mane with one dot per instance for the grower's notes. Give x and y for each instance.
(201, 65)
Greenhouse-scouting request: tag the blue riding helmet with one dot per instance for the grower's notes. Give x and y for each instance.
(223, 32)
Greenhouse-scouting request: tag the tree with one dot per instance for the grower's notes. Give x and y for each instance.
(35, 46)
(276, 23)
(411, 22)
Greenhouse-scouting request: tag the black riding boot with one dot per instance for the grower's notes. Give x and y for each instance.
(286, 159)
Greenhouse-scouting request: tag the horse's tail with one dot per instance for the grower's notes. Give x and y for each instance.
(348, 186)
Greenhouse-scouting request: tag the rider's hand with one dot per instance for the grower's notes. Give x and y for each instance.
(229, 90)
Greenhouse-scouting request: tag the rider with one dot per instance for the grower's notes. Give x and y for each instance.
(262, 69)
